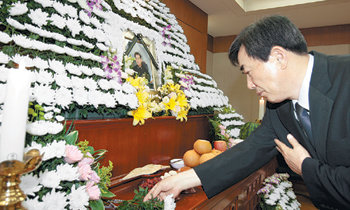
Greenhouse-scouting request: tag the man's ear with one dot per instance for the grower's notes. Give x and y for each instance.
(279, 56)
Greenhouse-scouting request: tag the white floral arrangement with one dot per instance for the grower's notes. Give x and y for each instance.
(70, 176)
(65, 40)
(278, 194)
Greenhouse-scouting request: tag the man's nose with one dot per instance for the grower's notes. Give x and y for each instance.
(250, 83)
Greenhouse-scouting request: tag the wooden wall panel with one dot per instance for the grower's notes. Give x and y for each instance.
(319, 36)
(195, 25)
(157, 141)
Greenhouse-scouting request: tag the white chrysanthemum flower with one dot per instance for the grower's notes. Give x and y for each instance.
(59, 118)
(90, 84)
(43, 94)
(101, 46)
(132, 101)
(104, 84)
(68, 172)
(115, 85)
(45, 3)
(22, 41)
(55, 200)
(86, 70)
(58, 148)
(74, 41)
(63, 97)
(50, 179)
(71, 11)
(78, 198)
(96, 22)
(4, 58)
(41, 46)
(38, 17)
(73, 69)
(40, 63)
(58, 21)
(83, 4)
(84, 17)
(34, 145)
(77, 82)
(60, 8)
(95, 98)
(29, 184)
(2, 93)
(70, 51)
(291, 194)
(59, 37)
(18, 9)
(63, 81)
(3, 73)
(57, 66)
(98, 71)
(74, 26)
(48, 115)
(80, 96)
(57, 49)
(169, 202)
(4, 37)
(36, 128)
(44, 77)
(88, 31)
(33, 204)
(128, 88)
(108, 100)
(54, 127)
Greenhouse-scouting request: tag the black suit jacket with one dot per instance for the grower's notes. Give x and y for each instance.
(327, 173)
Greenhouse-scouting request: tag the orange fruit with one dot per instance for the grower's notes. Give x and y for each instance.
(205, 157)
(191, 158)
(216, 152)
(202, 146)
(185, 168)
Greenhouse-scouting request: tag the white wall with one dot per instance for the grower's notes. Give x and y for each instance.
(233, 83)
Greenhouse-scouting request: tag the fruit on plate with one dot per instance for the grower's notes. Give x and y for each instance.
(202, 146)
(191, 158)
(220, 145)
(206, 157)
(216, 152)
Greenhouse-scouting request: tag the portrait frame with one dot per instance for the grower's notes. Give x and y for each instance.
(146, 48)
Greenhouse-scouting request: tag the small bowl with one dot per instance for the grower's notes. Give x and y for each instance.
(177, 163)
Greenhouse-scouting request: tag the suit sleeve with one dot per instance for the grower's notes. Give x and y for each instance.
(239, 161)
(328, 184)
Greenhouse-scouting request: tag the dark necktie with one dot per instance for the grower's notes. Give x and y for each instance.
(304, 119)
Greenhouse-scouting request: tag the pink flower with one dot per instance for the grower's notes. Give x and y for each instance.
(222, 127)
(73, 154)
(223, 132)
(94, 177)
(93, 191)
(85, 172)
(86, 160)
(231, 142)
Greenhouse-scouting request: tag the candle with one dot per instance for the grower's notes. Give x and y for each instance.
(15, 114)
(261, 108)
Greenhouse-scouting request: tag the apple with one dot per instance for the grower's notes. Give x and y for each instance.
(220, 145)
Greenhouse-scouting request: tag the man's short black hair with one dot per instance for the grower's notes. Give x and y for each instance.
(137, 53)
(259, 37)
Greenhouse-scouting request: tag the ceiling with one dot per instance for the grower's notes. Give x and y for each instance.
(229, 17)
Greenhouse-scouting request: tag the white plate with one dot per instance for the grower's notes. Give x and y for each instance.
(177, 163)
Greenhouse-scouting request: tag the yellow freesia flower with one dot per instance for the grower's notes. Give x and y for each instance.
(171, 104)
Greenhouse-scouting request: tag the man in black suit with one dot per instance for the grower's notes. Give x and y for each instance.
(307, 118)
(140, 66)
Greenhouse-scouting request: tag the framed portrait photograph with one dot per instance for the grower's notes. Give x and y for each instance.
(145, 65)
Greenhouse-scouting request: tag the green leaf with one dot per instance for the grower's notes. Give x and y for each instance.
(96, 205)
(72, 137)
(107, 194)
